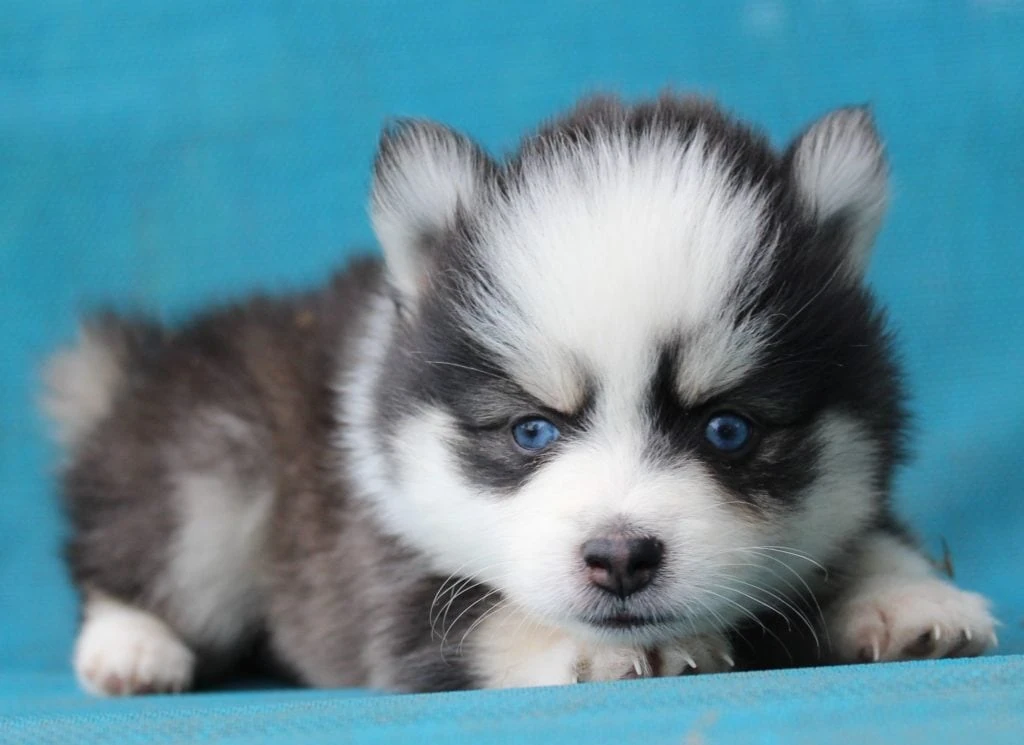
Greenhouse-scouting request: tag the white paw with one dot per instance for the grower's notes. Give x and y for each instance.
(122, 651)
(902, 619)
(705, 653)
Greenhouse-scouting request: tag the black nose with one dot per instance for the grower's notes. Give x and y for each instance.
(622, 565)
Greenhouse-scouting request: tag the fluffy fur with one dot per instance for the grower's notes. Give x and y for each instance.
(332, 477)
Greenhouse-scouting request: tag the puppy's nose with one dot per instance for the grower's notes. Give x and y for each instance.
(622, 565)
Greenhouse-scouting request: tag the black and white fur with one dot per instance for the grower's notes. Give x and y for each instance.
(331, 476)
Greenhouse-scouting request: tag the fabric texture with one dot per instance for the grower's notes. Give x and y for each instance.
(953, 701)
(161, 155)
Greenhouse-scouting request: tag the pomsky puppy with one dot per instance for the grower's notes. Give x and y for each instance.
(618, 405)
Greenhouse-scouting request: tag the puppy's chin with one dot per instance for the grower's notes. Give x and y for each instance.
(629, 624)
(634, 631)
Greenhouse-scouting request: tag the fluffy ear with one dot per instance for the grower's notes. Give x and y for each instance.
(841, 175)
(424, 174)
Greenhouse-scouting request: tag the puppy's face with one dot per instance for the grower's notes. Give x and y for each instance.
(635, 384)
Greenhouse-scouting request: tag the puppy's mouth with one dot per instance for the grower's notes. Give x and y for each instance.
(631, 626)
(628, 622)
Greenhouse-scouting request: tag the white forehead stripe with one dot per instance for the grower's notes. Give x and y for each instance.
(613, 251)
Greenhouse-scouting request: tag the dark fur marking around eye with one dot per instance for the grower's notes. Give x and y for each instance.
(453, 371)
(779, 465)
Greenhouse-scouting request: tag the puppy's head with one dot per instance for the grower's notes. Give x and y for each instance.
(635, 382)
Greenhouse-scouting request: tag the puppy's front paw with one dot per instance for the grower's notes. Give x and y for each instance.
(903, 619)
(704, 653)
(122, 651)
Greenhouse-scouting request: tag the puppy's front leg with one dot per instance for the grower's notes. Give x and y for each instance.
(897, 608)
(511, 650)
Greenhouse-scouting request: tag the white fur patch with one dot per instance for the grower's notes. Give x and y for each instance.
(898, 609)
(616, 250)
(356, 404)
(80, 385)
(122, 650)
(214, 582)
(842, 498)
(429, 503)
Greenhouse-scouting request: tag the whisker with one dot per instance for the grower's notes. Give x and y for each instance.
(457, 589)
(469, 584)
(714, 506)
(778, 549)
(803, 557)
(797, 594)
(451, 578)
(454, 585)
(800, 614)
(768, 606)
(465, 586)
(468, 368)
(752, 616)
(467, 609)
(810, 593)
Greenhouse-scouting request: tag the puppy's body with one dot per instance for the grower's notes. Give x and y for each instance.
(618, 406)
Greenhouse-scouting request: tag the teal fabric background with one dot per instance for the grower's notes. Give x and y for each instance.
(954, 701)
(164, 154)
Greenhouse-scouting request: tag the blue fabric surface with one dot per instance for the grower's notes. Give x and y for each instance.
(164, 154)
(956, 701)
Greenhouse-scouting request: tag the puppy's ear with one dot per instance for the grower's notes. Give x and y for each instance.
(423, 176)
(839, 168)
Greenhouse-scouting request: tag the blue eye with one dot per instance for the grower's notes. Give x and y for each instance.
(534, 434)
(729, 433)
